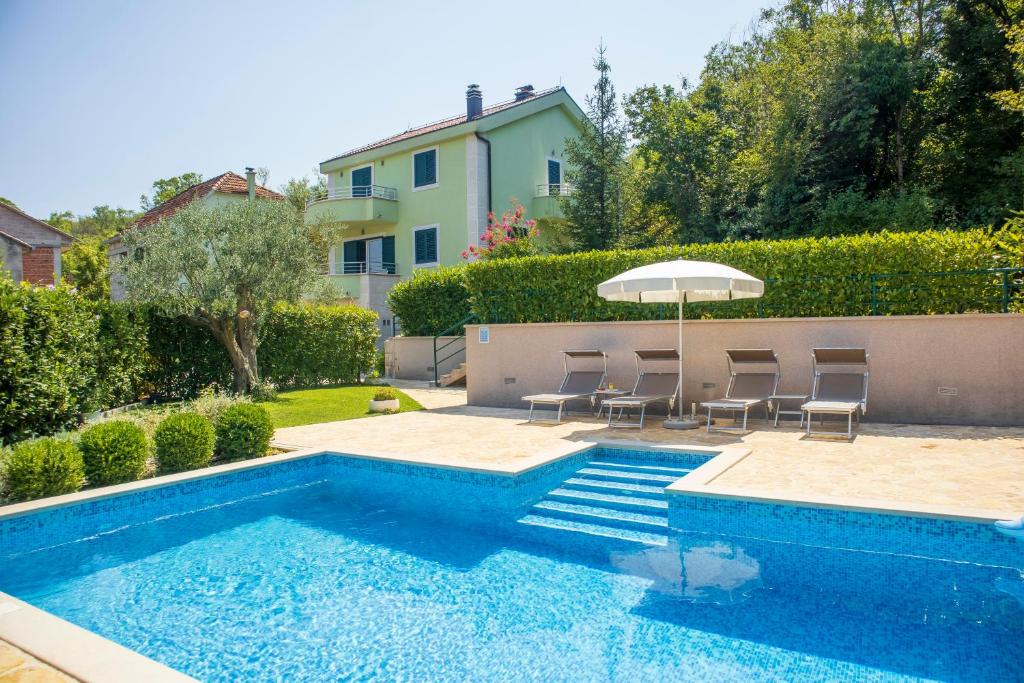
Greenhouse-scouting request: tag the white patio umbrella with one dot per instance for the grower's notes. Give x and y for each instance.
(681, 282)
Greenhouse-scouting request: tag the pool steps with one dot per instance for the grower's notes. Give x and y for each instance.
(613, 500)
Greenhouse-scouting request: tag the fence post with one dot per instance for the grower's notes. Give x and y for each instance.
(1006, 291)
(874, 294)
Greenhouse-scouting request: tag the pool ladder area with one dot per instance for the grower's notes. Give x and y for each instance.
(615, 500)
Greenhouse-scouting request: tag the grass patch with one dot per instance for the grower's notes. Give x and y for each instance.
(312, 406)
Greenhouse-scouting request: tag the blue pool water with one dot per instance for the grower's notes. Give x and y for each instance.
(316, 572)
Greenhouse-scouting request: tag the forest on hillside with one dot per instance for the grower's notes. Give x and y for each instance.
(827, 117)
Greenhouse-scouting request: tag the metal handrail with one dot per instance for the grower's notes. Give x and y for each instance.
(450, 328)
(355, 192)
(553, 189)
(373, 268)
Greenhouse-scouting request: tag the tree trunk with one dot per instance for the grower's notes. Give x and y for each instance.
(237, 338)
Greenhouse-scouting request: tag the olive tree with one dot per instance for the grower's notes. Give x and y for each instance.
(224, 268)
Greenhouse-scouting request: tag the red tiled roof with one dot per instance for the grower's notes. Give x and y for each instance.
(228, 183)
(444, 123)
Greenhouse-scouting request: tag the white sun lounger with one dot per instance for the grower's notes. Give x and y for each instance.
(651, 387)
(576, 385)
(840, 387)
(753, 378)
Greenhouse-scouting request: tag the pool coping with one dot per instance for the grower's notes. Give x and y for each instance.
(701, 482)
(90, 657)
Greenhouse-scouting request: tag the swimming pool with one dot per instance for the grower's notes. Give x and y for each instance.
(332, 567)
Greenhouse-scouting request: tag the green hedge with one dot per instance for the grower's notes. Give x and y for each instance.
(63, 356)
(430, 301)
(307, 346)
(183, 441)
(44, 467)
(804, 277)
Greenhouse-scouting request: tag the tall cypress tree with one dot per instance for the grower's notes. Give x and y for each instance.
(596, 160)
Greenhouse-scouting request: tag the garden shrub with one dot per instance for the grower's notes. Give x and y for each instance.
(114, 452)
(385, 394)
(48, 349)
(308, 345)
(804, 277)
(45, 467)
(430, 301)
(184, 441)
(122, 357)
(244, 431)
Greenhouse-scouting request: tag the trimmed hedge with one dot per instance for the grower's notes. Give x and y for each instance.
(63, 356)
(244, 431)
(114, 452)
(805, 277)
(430, 301)
(184, 441)
(46, 467)
(307, 346)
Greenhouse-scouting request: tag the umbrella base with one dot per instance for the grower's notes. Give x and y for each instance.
(681, 424)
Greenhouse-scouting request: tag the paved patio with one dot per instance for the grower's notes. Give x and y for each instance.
(977, 471)
(17, 666)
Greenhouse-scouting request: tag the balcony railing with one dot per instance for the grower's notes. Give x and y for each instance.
(371, 267)
(553, 189)
(356, 192)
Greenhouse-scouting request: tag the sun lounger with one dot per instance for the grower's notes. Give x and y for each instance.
(840, 386)
(576, 385)
(651, 387)
(753, 378)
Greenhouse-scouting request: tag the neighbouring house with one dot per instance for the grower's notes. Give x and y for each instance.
(419, 198)
(30, 248)
(227, 187)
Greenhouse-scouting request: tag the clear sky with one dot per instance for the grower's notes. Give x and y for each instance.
(100, 98)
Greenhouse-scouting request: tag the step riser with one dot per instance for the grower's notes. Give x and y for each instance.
(625, 478)
(611, 505)
(603, 521)
(597, 487)
(605, 536)
(643, 469)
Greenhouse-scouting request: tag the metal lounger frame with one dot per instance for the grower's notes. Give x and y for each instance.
(737, 360)
(843, 357)
(566, 355)
(636, 400)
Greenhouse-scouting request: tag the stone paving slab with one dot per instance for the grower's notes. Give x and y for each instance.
(17, 666)
(960, 467)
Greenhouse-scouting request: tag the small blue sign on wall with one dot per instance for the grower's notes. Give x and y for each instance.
(485, 335)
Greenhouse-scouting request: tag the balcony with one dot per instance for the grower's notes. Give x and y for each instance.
(367, 268)
(546, 200)
(358, 204)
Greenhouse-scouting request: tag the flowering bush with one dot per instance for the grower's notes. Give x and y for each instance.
(514, 235)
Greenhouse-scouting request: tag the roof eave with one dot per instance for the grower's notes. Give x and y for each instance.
(497, 119)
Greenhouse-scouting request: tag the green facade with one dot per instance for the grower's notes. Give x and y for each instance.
(523, 138)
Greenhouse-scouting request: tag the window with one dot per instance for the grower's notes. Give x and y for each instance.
(371, 255)
(424, 169)
(425, 245)
(554, 172)
(362, 181)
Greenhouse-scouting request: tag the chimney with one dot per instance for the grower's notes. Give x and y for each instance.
(474, 102)
(524, 92)
(250, 181)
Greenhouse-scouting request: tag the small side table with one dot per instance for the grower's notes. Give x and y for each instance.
(777, 400)
(601, 394)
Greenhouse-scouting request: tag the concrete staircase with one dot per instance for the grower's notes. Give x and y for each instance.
(457, 377)
(615, 500)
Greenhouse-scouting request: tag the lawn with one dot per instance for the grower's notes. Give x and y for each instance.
(311, 406)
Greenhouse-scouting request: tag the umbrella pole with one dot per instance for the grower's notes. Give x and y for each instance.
(682, 422)
(680, 360)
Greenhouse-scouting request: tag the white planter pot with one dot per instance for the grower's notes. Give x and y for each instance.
(383, 406)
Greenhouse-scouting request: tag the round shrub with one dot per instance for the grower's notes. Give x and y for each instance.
(46, 467)
(244, 431)
(114, 452)
(184, 441)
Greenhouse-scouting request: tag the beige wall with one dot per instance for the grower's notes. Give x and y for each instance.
(413, 357)
(980, 356)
